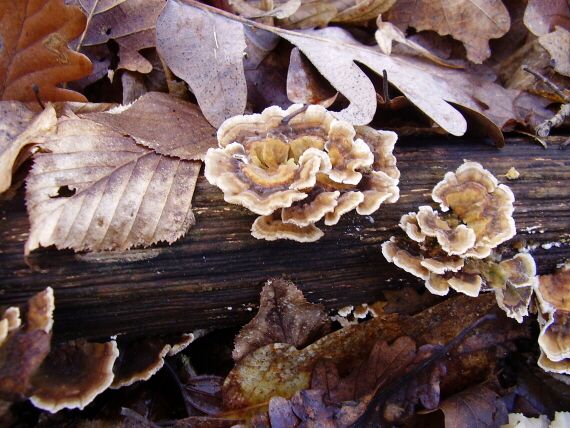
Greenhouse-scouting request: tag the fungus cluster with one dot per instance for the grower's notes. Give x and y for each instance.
(297, 166)
(554, 318)
(454, 248)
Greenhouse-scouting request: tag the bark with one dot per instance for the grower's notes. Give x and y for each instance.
(212, 277)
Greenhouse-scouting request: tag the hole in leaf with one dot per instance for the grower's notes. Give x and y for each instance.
(64, 192)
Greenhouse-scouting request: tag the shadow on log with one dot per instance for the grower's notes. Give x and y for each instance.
(212, 277)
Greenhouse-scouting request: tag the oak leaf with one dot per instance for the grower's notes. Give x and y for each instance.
(557, 43)
(471, 22)
(33, 50)
(284, 316)
(96, 189)
(130, 23)
(281, 369)
(542, 16)
(215, 68)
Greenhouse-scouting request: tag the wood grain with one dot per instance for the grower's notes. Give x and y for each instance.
(212, 277)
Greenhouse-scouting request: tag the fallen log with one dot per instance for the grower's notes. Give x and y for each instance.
(211, 278)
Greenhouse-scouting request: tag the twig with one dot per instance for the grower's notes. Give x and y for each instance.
(545, 127)
(37, 92)
(287, 119)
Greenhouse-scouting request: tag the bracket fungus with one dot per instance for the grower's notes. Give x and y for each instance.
(297, 166)
(554, 318)
(455, 248)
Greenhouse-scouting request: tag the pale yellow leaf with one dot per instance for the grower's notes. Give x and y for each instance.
(95, 189)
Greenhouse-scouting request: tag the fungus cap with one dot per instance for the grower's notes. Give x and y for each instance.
(283, 164)
(73, 374)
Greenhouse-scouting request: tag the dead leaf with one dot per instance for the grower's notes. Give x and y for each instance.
(96, 189)
(284, 316)
(34, 50)
(14, 118)
(384, 363)
(556, 43)
(474, 408)
(305, 85)
(310, 15)
(163, 123)
(361, 11)
(542, 16)
(280, 369)
(408, 301)
(471, 22)
(212, 63)
(333, 52)
(24, 347)
(131, 23)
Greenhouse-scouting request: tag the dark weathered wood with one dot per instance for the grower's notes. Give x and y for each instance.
(212, 277)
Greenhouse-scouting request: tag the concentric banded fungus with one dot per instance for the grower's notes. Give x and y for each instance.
(554, 308)
(455, 249)
(295, 167)
(73, 374)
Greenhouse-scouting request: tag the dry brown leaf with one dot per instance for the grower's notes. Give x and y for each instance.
(212, 63)
(334, 52)
(24, 347)
(33, 50)
(14, 118)
(310, 15)
(97, 190)
(284, 316)
(305, 85)
(360, 11)
(474, 408)
(557, 43)
(408, 301)
(131, 23)
(280, 369)
(471, 22)
(166, 124)
(542, 16)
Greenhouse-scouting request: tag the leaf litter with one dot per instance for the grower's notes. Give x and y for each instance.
(96, 174)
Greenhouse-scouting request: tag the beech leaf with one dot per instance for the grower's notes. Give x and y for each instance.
(335, 54)
(131, 23)
(284, 316)
(96, 189)
(33, 50)
(163, 123)
(472, 22)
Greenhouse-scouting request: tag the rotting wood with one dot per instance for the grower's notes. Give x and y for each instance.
(212, 277)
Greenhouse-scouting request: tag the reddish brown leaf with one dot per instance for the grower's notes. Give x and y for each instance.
(284, 316)
(474, 408)
(305, 85)
(130, 23)
(34, 50)
(408, 301)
